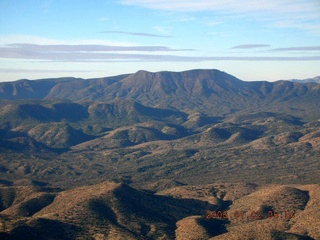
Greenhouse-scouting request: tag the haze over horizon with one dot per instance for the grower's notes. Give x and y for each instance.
(265, 40)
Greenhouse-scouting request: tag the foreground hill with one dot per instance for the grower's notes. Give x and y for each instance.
(109, 210)
(112, 210)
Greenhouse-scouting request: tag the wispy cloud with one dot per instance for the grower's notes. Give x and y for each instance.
(184, 18)
(250, 46)
(211, 23)
(24, 70)
(46, 6)
(227, 5)
(310, 26)
(299, 14)
(6, 40)
(306, 48)
(101, 53)
(27, 47)
(164, 31)
(138, 34)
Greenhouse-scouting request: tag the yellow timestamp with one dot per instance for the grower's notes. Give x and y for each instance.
(251, 215)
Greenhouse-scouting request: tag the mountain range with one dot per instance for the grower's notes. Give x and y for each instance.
(207, 91)
(144, 155)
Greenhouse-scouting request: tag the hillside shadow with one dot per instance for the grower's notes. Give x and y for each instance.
(42, 229)
(102, 211)
(277, 235)
(158, 207)
(213, 227)
(4, 182)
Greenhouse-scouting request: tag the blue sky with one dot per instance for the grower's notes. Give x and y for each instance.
(250, 39)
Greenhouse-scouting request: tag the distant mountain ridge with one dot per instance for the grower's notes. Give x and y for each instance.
(207, 91)
(308, 80)
(146, 155)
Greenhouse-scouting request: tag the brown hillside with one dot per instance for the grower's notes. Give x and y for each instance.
(112, 208)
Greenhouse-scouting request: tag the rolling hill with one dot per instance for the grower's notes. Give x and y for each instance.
(165, 125)
(110, 210)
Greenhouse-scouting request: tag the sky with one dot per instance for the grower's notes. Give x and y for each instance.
(250, 39)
